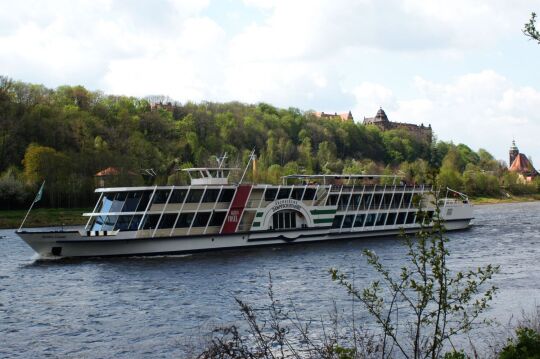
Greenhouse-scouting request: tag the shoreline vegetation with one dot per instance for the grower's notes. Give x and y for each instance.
(56, 217)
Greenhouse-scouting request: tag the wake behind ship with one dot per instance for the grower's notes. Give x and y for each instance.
(213, 214)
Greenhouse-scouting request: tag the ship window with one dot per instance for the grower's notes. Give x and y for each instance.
(376, 201)
(118, 202)
(132, 200)
(297, 193)
(410, 218)
(217, 219)
(134, 224)
(359, 221)
(109, 223)
(380, 219)
(406, 200)
(370, 220)
(401, 218)
(391, 219)
(332, 200)
(184, 220)
(337, 222)
(106, 202)
(355, 200)
(270, 194)
(397, 200)
(167, 221)
(387, 200)
(343, 201)
(283, 193)
(365, 201)
(144, 201)
(178, 196)
(161, 196)
(309, 195)
(201, 219)
(284, 219)
(122, 223)
(194, 196)
(98, 222)
(226, 195)
(348, 221)
(211, 195)
(151, 221)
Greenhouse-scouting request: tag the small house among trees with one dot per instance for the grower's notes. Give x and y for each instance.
(520, 164)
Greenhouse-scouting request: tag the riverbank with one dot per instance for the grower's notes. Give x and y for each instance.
(511, 199)
(43, 217)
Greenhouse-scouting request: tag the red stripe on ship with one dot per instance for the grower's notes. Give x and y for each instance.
(237, 208)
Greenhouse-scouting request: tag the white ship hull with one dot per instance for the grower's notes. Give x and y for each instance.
(70, 243)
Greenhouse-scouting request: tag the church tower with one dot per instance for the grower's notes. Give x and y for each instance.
(514, 151)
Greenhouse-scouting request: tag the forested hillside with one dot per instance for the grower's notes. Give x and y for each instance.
(66, 135)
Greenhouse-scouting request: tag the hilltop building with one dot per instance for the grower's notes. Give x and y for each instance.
(381, 121)
(520, 164)
(345, 116)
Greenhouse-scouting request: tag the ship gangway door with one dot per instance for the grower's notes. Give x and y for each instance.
(237, 209)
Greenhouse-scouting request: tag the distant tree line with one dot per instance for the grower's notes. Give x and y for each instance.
(68, 134)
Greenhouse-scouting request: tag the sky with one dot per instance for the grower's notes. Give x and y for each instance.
(462, 66)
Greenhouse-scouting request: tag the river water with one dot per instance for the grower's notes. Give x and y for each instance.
(160, 306)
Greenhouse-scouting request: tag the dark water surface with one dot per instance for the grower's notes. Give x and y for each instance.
(156, 307)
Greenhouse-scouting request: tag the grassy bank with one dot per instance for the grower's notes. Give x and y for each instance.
(43, 217)
(511, 199)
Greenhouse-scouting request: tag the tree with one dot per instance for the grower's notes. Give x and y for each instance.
(529, 29)
(441, 302)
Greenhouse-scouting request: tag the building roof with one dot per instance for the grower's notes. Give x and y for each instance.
(522, 164)
(112, 171)
(344, 116)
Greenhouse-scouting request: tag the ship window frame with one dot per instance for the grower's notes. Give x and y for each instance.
(184, 220)
(197, 222)
(217, 222)
(195, 195)
(336, 222)
(225, 194)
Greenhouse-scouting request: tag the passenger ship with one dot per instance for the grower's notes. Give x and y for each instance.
(212, 214)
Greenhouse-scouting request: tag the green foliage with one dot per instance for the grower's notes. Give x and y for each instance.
(525, 346)
(529, 29)
(441, 302)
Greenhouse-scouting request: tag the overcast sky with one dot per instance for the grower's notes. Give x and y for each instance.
(462, 65)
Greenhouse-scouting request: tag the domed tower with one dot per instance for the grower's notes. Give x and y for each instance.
(514, 152)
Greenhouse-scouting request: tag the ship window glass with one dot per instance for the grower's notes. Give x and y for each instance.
(284, 219)
(380, 219)
(365, 201)
(122, 223)
(201, 219)
(297, 193)
(376, 201)
(132, 200)
(391, 219)
(370, 220)
(287, 217)
(401, 218)
(309, 195)
(184, 220)
(283, 193)
(343, 201)
(217, 219)
(106, 202)
(348, 221)
(134, 224)
(387, 200)
(211, 195)
(118, 202)
(194, 196)
(226, 195)
(410, 218)
(337, 222)
(355, 200)
(406, 200)
(109, 223)
(332, 200)
(397, 199)
(359, 221)
(167, 221)
(270, 194)
(275, 221)
(161, 196)
(144, 201)
(151, 221)
(178, 196)
(98, 222)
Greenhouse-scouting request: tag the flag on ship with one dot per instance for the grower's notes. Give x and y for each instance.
(40, 193)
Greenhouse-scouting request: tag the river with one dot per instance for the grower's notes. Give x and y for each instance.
(159, 306)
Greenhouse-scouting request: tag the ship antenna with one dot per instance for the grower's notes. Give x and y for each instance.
(252, 156)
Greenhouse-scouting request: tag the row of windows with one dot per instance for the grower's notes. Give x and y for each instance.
(374, 219)
(298, 193)
(370, 200)
(169, 220)
(137, 201)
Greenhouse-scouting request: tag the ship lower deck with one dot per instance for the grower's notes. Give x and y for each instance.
(71, 244)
